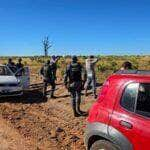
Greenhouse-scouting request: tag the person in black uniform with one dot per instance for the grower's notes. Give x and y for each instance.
(73, 82)
(11, 65)
(53, 63)
(48, 78)
(19, 65)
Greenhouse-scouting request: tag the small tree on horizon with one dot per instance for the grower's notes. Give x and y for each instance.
(46, 45)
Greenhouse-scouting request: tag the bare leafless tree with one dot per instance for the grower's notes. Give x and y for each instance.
(46, 45)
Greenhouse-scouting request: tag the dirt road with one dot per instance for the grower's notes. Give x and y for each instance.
(32, 123)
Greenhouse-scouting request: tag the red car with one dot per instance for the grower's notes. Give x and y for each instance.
(120, 119)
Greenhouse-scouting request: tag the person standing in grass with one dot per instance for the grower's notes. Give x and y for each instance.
(19, 65)
(73, 82)
(126, 66)
(53, 63)
(91, 75)
(11, 65)
(48, 78)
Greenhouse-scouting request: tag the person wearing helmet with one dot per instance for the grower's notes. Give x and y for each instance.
(91, 75)
(48, 78)
(73, 82)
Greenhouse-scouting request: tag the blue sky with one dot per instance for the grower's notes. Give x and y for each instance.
(75, 26)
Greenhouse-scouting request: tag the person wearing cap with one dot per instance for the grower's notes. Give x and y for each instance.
(91, 75)
(73, 82)
(48, 78)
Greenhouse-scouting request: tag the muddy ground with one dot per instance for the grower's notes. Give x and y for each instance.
(33, 123)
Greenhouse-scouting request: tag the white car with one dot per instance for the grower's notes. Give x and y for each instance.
(13, 84)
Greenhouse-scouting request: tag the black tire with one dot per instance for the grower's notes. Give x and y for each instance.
(103, 145)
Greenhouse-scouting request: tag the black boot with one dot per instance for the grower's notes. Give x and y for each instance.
(82, 113)
(95, 96)
(76, 114)
(52, 95)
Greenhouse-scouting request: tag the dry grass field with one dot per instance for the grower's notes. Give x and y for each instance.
(33, 123)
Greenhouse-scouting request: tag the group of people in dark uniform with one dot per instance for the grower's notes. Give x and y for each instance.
(14, 67)
(76, 78)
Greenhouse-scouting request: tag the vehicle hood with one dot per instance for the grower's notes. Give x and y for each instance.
(8, 80)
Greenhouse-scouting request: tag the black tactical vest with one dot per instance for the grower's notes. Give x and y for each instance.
(47, 72)
(75, 72)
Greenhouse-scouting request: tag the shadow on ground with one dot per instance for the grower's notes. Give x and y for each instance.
(29, 97)
(99, 84)
(34, 96)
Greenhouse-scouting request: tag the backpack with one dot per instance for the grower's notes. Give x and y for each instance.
(47, 73)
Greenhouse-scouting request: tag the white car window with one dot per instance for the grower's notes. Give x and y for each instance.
(4, 71)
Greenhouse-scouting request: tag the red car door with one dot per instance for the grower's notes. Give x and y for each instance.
(131, 115)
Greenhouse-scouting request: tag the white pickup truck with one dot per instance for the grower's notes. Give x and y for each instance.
(13, 83)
